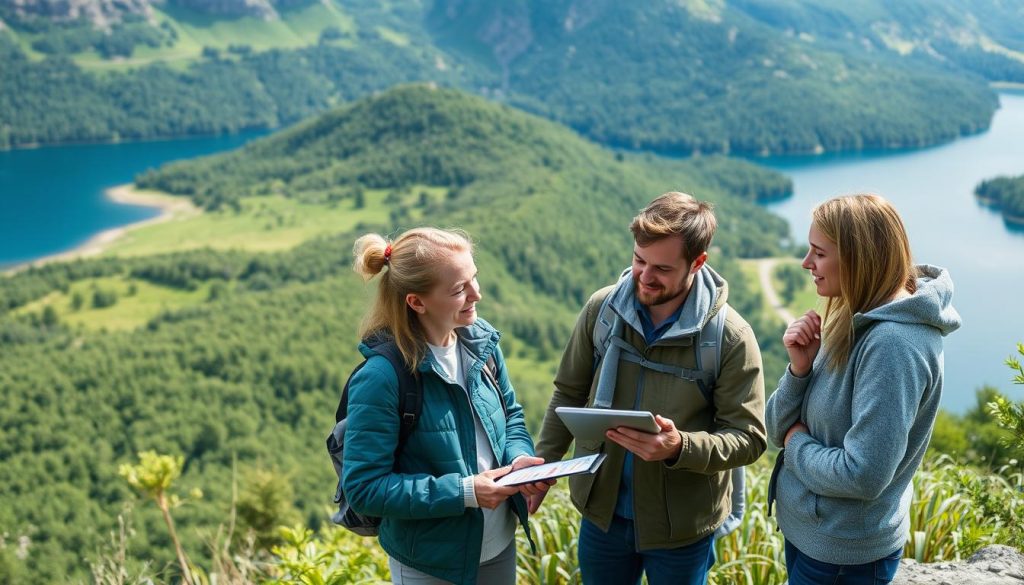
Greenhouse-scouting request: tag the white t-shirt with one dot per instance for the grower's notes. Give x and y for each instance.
(499, 524)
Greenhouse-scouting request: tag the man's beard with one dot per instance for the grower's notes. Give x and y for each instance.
(661, 297)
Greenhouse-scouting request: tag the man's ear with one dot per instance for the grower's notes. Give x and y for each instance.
(698, 262)
(415, 303)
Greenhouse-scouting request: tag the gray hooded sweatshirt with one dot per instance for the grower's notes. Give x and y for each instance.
(844, 491)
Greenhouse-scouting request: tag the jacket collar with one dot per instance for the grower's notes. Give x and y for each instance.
(479, 340)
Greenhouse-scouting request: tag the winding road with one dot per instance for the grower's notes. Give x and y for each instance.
(765, 267)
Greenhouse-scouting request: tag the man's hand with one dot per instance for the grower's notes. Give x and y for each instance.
(650, 446)
(489, 494)
(537, 487)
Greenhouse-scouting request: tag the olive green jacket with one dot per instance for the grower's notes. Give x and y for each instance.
(675, 502)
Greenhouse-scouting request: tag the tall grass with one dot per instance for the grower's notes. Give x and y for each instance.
(955, 511)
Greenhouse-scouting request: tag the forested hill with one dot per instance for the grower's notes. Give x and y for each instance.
(508, 172)
(1005, 194)
(244, 366)
(664, 75)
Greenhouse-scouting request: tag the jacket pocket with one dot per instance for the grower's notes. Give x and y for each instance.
(691, 502)
(580, 485)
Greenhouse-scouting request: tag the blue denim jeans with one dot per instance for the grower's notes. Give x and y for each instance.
(611, 558)
(803, 570)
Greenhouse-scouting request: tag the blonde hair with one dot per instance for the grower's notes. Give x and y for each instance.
(676, 214)
(409, 266)
(875, 263)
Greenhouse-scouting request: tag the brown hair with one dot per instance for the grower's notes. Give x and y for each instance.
(875, 263)
(407, 265)
(674, 214)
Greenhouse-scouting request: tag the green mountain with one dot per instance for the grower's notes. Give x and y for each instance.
(246, 375)
(705, 76)
(984, 37)
(680, 77)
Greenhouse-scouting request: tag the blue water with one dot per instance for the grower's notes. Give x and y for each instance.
(933, 190)
(51, 199)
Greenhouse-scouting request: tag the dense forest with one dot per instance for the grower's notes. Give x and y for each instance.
(678, 78)
(664, 76)
(269, 343)
(1005, 194)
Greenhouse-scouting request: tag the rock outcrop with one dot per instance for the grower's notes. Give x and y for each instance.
(101, 13)
(992, 565)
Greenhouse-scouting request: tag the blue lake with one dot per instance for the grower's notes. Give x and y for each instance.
(51, 199)
(933, 190)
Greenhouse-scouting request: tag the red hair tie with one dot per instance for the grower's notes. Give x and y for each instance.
(387, 253)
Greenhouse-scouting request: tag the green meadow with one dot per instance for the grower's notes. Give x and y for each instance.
(271, 223)
(133, 303)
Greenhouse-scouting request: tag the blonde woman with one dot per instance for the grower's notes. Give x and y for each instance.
(855, 409)
(445, 520)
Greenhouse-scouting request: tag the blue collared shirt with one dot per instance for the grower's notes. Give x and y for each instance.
(653, 333)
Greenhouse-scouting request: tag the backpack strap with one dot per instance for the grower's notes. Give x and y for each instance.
(606, 317)
(489, 373)
(410, 389)
(709, 353)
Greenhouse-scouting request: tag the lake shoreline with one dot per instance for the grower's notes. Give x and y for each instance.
(169, 207)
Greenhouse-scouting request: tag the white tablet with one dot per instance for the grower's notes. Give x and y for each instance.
(590, 424)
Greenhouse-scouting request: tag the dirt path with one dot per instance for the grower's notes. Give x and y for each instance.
(764, 272)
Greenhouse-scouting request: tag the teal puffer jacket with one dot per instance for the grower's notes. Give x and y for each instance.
(426, 525)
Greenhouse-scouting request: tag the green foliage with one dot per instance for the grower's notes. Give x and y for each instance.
(975, 436)
(794, 279)
(337, 557)
(101, 299)
(265, 504)
(996, 508)
(1010, 415)
(153, 477)
(954, 512)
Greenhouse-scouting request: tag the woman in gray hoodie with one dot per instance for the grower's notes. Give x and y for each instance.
(855, 408)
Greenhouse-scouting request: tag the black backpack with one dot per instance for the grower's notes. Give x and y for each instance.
(410, 405)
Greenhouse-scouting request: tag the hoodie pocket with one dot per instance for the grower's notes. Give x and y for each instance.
(795, 499)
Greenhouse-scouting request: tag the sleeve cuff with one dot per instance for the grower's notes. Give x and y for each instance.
(789, 370)
(468, 493)
(684, 447)
(795, 442)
